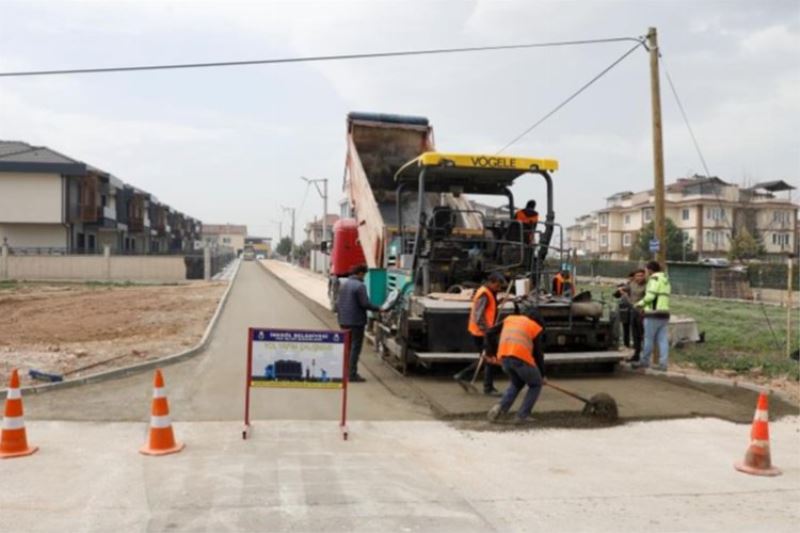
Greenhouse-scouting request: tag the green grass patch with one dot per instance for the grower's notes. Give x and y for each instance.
(747, 338)
(7, 285)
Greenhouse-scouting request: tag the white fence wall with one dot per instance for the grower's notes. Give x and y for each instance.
(155, 269)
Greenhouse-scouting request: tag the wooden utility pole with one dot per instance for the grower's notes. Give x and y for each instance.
(789, 289)
(658, 149)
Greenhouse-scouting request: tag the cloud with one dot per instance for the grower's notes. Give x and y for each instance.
(775, 39)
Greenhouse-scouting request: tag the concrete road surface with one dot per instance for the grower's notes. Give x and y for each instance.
(211, 386)
(400, 476)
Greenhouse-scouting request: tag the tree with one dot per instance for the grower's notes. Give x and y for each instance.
(745, 246)
(304, 250)
(284, 247)
(679, 247)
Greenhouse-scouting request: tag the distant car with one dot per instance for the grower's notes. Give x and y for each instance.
(716, 261)
(260, 256)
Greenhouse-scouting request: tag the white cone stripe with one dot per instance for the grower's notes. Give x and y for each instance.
(160, 421)
(159, 392)
(759, 443)
(13, 422)
(761, 416)
(13, 394)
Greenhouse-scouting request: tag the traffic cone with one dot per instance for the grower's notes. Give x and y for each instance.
(757, 460)
(160, 440)
(14, 440)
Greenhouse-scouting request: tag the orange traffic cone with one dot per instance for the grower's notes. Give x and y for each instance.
(757, 460)
(14, 440)
(161, 440)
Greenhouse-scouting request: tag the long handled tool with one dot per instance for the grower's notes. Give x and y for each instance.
(470, 387)
(600, 405)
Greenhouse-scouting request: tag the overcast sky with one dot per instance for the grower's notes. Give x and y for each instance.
(228, 145)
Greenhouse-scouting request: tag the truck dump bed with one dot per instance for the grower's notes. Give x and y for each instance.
(377, 146)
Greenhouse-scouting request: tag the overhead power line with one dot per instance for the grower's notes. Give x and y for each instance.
(639, 42)
(309, 59)
(685, 117)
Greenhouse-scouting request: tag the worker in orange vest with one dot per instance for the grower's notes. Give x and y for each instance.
(563, 284)
(529, 218)
(482, 316)
(520, 354)
(529, 215)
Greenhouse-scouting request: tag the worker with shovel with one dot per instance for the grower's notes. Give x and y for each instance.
(520, 354)
(482, 317)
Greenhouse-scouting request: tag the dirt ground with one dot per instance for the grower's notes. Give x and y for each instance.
(83, 328)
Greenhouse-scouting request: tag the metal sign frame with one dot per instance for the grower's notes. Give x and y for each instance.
(249, 383)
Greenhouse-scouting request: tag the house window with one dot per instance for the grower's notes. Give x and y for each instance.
(780, 239)
(604, 240)
(781, 217)
(627, 219)
(715, 213)
(685, 214)
(716, 237)
(226, 240)
(626, 239)
(604, 219)
(647, 214)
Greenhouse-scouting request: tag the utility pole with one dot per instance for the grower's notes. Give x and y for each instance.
(789, 288)
(324, 193)
(291, 250)
(658, 149)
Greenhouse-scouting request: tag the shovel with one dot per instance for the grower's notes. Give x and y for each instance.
(601, 406)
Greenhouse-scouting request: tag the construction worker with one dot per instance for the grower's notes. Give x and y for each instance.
(563, 284)
(529, 215)
(656, 316)
(351, 307)
(482, 316)
(520, 354)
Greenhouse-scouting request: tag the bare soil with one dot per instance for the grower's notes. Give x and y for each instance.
(62, 328)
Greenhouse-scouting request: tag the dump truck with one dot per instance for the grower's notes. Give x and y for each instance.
(428, 248)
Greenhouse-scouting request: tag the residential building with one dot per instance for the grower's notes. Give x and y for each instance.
(50, 202)
(225, 235)
(318, 260)
(313, 229)
(708, 210)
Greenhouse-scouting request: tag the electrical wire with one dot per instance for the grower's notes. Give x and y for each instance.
(308, 59)
(639, 42)
(685, 117)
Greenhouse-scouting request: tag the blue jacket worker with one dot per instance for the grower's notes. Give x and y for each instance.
(351, 308)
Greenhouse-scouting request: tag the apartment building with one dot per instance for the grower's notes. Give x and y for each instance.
(52, 203)
(708, 210)
(225, 235)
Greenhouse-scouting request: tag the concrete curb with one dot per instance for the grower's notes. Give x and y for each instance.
(714, 380)
(139, 367)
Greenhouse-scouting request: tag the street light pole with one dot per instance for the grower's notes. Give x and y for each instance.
(324, 194)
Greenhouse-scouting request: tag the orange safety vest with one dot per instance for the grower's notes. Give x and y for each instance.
(523, 217)
(516, 339)
(560, 282)
(490, 313)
